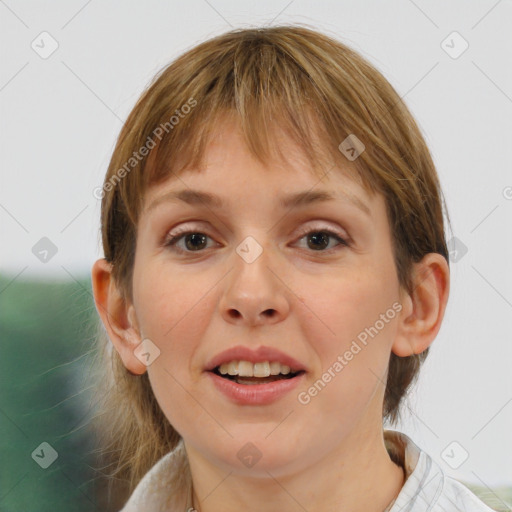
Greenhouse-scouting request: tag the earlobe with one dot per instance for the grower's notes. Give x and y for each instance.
(423, 309)
(118, 317)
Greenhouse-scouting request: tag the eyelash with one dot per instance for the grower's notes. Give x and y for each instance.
(170, 242)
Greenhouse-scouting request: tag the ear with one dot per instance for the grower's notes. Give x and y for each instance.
(423, 309)
(117, 316)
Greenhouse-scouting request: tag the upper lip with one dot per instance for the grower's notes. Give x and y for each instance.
(260, 355)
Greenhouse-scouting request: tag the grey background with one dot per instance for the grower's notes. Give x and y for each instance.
(60, 117)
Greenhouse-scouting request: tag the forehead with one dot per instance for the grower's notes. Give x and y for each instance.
(229, 170)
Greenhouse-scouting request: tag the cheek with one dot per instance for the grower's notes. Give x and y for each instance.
(165, 308)
(351, 332)
(167, 300)
(175, 311)
(347, 307)
(175, 315)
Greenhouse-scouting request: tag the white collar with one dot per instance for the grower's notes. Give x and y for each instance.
(426, 487)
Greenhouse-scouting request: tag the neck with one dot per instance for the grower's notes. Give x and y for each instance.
(357, 476)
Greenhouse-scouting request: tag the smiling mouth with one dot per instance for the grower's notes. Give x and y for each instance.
(256, 380)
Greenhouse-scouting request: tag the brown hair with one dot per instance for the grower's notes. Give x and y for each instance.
(314, 89)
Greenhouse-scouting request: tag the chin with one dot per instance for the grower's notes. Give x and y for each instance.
(256, 456)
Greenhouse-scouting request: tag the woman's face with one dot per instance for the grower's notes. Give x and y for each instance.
(269, 279)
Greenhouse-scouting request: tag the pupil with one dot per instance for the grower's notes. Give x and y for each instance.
(196, 240)
(324, 237)
(197, 237)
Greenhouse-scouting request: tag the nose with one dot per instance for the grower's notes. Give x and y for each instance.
(254, 291)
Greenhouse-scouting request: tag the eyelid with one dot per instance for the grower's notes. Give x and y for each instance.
(304, 230)
(174, 236)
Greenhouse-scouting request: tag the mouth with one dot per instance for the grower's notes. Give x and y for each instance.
(255, 377)
(253, 380)
(253, 390)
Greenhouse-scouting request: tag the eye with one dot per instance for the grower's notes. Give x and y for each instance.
(196, 241)
(320, 239)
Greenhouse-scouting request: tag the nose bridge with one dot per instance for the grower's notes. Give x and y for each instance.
(253, 291)
(252, 262)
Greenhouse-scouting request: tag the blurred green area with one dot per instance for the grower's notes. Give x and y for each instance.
(47, 330)
(499, 498)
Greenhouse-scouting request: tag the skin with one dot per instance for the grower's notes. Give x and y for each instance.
(329, 454)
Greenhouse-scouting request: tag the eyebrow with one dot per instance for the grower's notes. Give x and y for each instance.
(298, 199)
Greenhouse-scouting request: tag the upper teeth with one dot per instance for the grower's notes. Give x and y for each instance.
(248, 369)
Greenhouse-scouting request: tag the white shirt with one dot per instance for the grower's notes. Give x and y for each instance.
(426, 487)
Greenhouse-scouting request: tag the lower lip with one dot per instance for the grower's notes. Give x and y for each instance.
(255, 394)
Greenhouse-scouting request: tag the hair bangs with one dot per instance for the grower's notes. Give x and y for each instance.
(271, 99)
